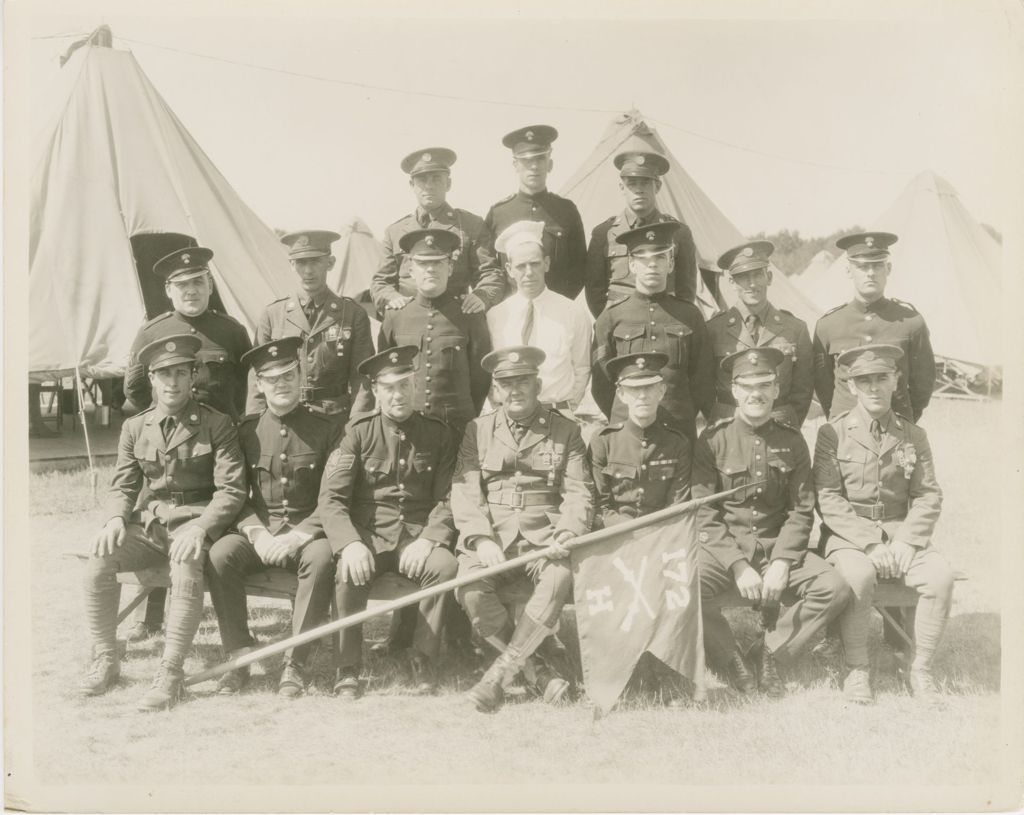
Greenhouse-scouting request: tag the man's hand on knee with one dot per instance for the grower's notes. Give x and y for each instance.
(356, 564)
(776, 579)
(748, 581)
(488, 552)
(187, 543)
(903, 556)
(881, 557)
(414, 558)
(109, 537)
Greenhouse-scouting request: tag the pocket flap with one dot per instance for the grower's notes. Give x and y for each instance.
(614, 470)
(628, 331)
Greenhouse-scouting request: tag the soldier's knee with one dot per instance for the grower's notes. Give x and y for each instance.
(860, 574)
(443, 564)
(833, 588)
(558, 577)
(187, 578)
(219, 556)
(941, 580)
(317, 557)
(100, 571)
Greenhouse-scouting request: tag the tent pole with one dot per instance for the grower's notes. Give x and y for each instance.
(93, 478)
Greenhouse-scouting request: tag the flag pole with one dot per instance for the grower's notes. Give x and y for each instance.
(462, 580)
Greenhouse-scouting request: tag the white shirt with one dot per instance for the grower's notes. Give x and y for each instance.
(561, 329)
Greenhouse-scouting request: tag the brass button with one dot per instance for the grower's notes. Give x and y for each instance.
(284, 432)
(284, 457)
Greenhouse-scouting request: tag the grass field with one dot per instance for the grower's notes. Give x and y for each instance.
(810, 737)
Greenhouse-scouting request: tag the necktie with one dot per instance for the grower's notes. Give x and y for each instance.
(518, 431)
(752, 323)
(528, 323)
(310, 310)
(167, 425)
(876, 431)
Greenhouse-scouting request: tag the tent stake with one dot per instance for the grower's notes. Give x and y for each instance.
(93, 477)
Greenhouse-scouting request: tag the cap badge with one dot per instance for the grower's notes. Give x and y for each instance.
(393, 357)
(641, 362)
(748, 252)
(869, 241)
(302, 241)
(753, 358)
(170, 346)
(640, 160)
(430, 240)
(650, 235)
(513, 357)
(529, 135)
(186, 258)
(426, 156)
(272, 350)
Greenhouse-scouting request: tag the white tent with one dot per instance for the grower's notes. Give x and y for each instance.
(117, 163)
(358, 255)
(945, 264)
(821, 260)
(594, 188)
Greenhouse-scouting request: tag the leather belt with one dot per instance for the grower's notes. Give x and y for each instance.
(182, 497)
(310, 394)
(880, 511)
(519, 499)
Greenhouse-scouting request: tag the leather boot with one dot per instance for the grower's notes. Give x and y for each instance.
(488, 694)
(738, 674)
(768, 680)
(102, 675)
(346, 684)
(857, 686)
(424, 677)
(165, 692)
(292, 683)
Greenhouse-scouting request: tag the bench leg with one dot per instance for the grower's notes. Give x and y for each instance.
(135, 603)
(896, 627)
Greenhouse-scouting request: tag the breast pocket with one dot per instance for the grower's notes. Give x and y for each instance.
(452, 348)
(618, 261)
(677, 343)
(306, 471)
(779, 474)
(195, 462)
(376, 471)
(493, 460)
(629, 338)
(855, 468)
(555, 243)
(150, 461)
(621, 478)
(260, 474)
(735, 474)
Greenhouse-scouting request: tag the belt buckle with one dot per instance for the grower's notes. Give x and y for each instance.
(177, 499)
(306, 393)
(877, 512)
(517, 500)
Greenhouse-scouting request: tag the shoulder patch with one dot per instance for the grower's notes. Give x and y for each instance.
(905, 304)
(340, 461)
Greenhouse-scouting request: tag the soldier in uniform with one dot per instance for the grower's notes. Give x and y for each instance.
(756, 539)
(879, 503)
(652, 319)
(565, 242)
(755, 323)
(640, 465)
(220, 381)
(449, 382)
(871, 317)
(608, 272)
(335, 332)
(522, 483)
(285, 449)
(385, 507)
(477, 280)
(179, 482)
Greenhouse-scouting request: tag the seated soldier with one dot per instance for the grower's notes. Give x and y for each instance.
(285, 446)
(756, 539)
(639, 466)
(522, 483)
(384, 506)
(179, 482)
(879, 503)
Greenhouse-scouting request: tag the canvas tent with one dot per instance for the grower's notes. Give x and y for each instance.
(821, 260)
(357, 255)
(116, 163)
(594, 187)
(945, 263)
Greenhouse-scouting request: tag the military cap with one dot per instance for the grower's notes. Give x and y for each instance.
(429, 243)
(275, 357)
(312, 243)
(172, 350)
(867, 246)
(747, 257)
(652, 239)
(183, 264)
(877, 358)
(527, 142)
(753, 365)
(641, 164)
(390, 366)
(516, 360)
(519, 233)
(642, 368)
(429, 160)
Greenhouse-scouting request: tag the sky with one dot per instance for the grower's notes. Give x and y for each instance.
(804, 124)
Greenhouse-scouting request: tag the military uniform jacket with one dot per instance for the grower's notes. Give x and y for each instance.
(564, 238)
(781, 330)
(221, 382)
(388, 483)
(285, 457)
(534, 489)
(870, 493)
(638, 470)
(197, 475)
(775, 517)
(450, 383)
(475, 266)
(608, 262)
(332, 350)
(658, 322)
(888, 321)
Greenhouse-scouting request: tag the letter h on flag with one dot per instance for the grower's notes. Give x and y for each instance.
(639, 592)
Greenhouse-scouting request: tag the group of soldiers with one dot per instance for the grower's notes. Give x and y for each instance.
(452, 445)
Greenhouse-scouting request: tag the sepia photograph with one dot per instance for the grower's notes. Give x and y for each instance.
(561, 407)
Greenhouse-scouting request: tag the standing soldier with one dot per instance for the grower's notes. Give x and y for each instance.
(220, 379)
(449, 382)
(334, 330)
(179, 482)
(651, 319)
(285, 449)
(522, 483)
(879, 503)
(871, 317)
(564, 239)
(756, 539)
(608, 272)
(477, 280)
(755, 323)
(384, 504)
(640, 465)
